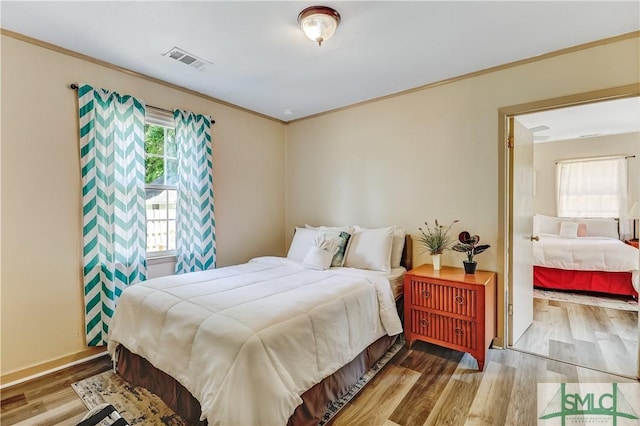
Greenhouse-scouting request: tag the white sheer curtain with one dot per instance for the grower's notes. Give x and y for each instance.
(595, 187)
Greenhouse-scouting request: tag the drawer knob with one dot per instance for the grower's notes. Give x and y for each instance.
(459, 300)
(425, 293)
(459, 331)
(424, 323)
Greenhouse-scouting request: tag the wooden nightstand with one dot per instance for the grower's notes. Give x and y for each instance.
(451, 309)
(632, 243)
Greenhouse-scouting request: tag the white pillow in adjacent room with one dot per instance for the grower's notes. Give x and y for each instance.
(569, 230)
(371, 249)
(602, 228)
(301, 243)
(546, 224)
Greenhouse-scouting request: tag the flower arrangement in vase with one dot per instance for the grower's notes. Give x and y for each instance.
(469, 244)
(435, 240)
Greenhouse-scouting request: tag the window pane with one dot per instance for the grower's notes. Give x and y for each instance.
(171, 146)
(172, 235)
(156, 204)
(171, 170)
(173, 196)
(154, 167)
(157, 235)
(154, 139)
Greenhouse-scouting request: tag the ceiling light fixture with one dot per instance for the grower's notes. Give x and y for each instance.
(319, 23)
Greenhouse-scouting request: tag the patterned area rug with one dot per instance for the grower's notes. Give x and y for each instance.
(587, 299)
(138, 406)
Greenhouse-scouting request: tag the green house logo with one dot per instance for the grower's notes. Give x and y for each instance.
(589, 403)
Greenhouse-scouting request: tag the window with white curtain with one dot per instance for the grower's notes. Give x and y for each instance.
(592, 187)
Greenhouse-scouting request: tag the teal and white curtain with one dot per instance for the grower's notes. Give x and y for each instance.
(113, 202)
(195, 223)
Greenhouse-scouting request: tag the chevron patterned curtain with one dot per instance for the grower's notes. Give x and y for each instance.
(113, 202)
(195, 224)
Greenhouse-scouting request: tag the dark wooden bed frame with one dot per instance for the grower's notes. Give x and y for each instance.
(137, 370)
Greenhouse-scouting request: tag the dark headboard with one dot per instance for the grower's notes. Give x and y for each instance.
(407, 253)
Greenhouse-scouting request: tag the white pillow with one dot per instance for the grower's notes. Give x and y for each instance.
(301, 243)
(568, 230)
(546, 224)
(602, 228)
(320, 254)
(341, 236)
(396, 247)
(317, 259)
(371, 249)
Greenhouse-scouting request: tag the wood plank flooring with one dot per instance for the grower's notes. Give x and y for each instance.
(49, 400)
(594, 337)
(427, 385)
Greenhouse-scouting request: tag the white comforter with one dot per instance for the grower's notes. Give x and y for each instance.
(587, 254)
(248, 340)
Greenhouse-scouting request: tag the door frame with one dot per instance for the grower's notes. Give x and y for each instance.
(505, 206)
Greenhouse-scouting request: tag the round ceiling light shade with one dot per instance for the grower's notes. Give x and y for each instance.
(319, 23)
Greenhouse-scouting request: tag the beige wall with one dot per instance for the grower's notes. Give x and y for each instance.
(42, 306)
(545, 156)
(432, 153)
(424, 155)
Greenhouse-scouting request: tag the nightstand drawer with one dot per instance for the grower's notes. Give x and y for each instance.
(443, 298)
(444, 329)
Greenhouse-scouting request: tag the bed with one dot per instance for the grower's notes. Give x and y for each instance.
(267, 342)
(584, 255)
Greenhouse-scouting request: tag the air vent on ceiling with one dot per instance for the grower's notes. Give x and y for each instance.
(187, 58)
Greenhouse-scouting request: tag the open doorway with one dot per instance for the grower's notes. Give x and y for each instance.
(598, 331)
(585, 308)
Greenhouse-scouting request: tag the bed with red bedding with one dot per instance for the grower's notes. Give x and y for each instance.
(594, 264)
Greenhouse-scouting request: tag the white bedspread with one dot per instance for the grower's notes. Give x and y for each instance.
(587, 254)
(248, 340)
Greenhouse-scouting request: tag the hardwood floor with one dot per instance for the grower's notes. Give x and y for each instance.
(49, 400)
(427, 385)
(593, 337)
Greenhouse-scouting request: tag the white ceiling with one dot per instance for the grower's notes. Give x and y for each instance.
(585, 121)
(262, 61)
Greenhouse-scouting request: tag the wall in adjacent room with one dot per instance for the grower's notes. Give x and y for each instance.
(42, 297)
(546, 154)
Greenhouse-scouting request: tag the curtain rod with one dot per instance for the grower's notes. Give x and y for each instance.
(612, 157)
(75, 87)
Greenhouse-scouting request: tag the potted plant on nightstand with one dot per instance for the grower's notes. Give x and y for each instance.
(435, 240)
(469, 244)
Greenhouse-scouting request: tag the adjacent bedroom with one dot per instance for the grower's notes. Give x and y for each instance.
(586, 264)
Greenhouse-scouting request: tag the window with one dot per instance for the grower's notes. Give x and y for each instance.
(161, 166)
(592, 187)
